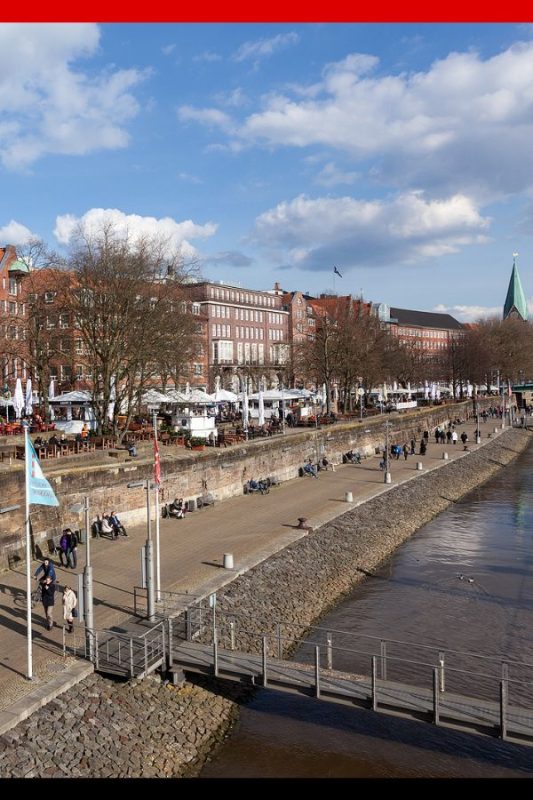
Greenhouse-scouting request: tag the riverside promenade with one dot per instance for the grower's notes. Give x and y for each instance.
(251, 527)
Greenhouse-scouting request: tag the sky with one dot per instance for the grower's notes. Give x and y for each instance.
(400, 154)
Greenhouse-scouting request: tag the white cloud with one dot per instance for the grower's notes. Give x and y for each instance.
(208, 116)
(16, 233)
(168, 49)
(207, 56)
(469, 313)
(188, 178)
(464, 125)
(263, 48)
(176, 234)
(315, 233)
(49, 107)
(331, 175)
(233, 99)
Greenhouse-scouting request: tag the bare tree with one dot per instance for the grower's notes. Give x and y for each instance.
(125, 294)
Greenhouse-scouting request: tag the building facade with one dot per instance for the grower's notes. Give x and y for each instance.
(247, 333)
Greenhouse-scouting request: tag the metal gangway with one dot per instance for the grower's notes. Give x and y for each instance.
(468, 692)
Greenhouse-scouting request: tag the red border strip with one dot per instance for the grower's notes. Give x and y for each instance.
(272, 11)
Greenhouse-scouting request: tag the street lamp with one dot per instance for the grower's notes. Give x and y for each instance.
(88, 610)
(148, 551)
(388, 477)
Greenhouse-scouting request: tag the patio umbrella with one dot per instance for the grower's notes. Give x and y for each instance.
(29, 398)
(245, 411)
(51, 395)
(261, 420)
(18, 399)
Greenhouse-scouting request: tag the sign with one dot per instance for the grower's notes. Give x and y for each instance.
(360, 391)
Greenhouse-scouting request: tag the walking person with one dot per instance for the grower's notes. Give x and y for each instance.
(48, 592)
(70, 601)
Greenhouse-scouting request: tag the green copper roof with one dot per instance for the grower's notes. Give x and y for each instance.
(515, 302)
(18, 266)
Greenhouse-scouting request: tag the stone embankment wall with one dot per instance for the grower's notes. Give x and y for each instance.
(219, 471)
(101, 728)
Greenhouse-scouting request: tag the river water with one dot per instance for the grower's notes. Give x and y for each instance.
(417, 596)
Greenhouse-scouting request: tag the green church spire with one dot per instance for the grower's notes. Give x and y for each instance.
(515, 302)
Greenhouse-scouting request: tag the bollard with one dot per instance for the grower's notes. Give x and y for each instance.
(388, 477)
(419, 466)
(445, 456)
(496, 430)
(228, 560)
(348, 497)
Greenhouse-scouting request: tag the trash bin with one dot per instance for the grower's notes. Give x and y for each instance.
(191, 505)
(81, 534)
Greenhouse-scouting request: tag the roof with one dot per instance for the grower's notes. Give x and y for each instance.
(515, 302)
(425, 319)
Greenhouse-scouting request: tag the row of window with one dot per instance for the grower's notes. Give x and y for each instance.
(426, 334)
(242, 297)
(247, 353)
(12, 307)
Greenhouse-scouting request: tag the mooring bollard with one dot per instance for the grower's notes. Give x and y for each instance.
(228, 560)
(445, 456)
(419, 466)
(348, 497)
(496, 430)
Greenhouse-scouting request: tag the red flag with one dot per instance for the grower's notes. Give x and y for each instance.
(157, 463)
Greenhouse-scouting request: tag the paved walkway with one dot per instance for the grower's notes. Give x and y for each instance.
(251, 527)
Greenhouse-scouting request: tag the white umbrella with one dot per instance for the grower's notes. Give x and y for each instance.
(51, 395)
(18, 399)
(112, 398)
(245, 411)
(261, 420)
(29, 398)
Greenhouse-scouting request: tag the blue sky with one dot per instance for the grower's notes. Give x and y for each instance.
(400, 153)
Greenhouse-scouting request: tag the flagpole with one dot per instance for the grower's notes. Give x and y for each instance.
(28, 553)
(157, 550)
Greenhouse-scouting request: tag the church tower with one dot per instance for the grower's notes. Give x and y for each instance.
(515, 302)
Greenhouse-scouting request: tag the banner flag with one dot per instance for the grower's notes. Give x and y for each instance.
(40, 492)
(157, 463)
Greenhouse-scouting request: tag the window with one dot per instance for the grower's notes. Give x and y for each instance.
(12, 286)
(12, 308)
(64, 320)
(196, 308)
(197, 369)
(79, 371)
(66, 372)
(49, 297)
(222, 352)
(79, 346)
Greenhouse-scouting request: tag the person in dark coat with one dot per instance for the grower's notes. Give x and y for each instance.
(48, 592)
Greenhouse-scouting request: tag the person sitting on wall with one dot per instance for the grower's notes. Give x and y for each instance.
(116, 524)
(132, 450)
(107, 528)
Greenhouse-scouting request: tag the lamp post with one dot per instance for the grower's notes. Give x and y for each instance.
(157, 548)
(148, 551)
(88, 610)
(282, 410)
(387, 477)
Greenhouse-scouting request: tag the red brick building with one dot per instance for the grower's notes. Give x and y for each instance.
(247, 332)
(425, 330)
(13, 317)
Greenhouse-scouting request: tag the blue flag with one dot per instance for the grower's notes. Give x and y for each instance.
(336, 272)
(39, 490)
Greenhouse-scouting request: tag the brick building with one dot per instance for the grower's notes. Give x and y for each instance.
(426, 330)
(13, 317)
(247, 333)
